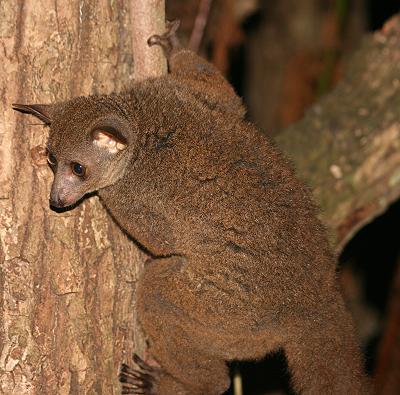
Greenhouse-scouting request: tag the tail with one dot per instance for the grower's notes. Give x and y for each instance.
(323, 354)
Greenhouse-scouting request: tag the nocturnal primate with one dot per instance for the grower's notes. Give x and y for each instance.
(240, 266)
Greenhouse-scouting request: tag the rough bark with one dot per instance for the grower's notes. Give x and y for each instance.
(148, 18)
(66, 279)
(347, 146)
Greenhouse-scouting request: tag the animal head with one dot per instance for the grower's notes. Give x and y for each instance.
(89, 144)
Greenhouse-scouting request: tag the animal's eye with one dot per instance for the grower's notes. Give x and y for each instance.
(51, 159)
(78, 169)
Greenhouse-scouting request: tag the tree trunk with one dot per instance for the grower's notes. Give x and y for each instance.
(148, 18)
(67, 279)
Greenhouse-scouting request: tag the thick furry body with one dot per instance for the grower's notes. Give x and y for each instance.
(241, 265)
(247, 265)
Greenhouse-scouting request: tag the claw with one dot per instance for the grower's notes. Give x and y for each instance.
(142, 365)
(138, 381)
(167, 41)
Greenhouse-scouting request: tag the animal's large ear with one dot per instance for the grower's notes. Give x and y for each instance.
(41, 111)
(109, 138)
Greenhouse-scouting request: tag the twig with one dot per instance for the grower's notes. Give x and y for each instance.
(147, 18)
(237, 382)
(199, 25)
(227, 35)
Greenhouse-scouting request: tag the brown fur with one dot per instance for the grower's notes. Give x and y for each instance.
(241, 265)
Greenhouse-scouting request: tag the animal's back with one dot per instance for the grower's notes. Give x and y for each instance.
(221, 194)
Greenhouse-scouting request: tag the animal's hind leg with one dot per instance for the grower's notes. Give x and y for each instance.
(168, 41)
(199, 76)
(145, 379)
(184, 368)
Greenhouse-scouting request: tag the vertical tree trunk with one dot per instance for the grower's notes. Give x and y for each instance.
(66, 279)
(148, 18)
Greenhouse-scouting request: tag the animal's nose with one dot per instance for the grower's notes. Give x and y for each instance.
(57, 202)
(57, 197)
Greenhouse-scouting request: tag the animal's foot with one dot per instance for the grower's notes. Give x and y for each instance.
(168, 41)
(143, 380)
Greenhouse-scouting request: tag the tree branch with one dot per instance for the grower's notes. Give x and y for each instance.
(347, 146)
(147, 18)
(199, 25)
